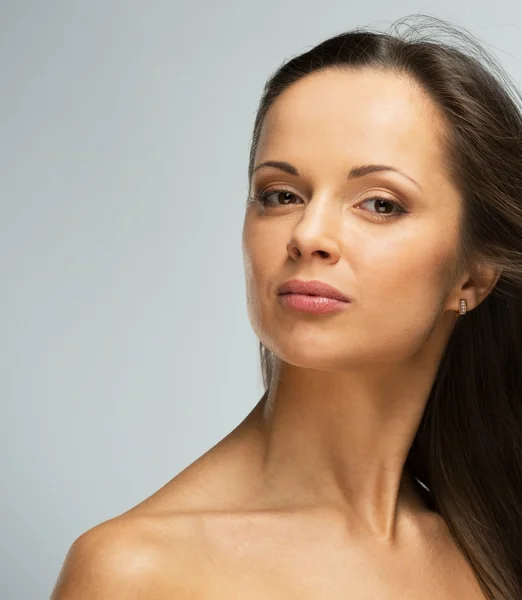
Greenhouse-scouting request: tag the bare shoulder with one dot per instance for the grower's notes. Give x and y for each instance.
(129, 557)
(159, 548)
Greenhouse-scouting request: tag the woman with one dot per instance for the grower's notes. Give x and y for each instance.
(384, 459)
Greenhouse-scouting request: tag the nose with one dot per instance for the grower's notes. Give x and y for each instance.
(316, 234)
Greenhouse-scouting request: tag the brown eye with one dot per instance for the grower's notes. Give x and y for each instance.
(384, 206)
(381, 203)
(281, 197)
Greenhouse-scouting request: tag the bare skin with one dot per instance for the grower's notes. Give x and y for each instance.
(309, 496)
(209, 534)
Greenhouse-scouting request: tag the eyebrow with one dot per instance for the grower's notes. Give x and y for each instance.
(355, 172)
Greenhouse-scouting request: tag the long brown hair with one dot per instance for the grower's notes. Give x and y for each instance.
(468, 448)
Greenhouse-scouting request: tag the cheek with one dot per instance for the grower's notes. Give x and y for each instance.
(401, 293)
(405, 276)
(264, 253)
(263, 263)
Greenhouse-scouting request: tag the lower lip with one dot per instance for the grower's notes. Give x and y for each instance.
(312, 304)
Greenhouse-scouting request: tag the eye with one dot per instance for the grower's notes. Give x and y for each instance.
(281, 194)
(380, 200)
(288, 197)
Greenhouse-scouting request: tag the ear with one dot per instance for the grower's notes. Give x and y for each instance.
(474, 286)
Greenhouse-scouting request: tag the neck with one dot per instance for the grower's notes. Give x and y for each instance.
(340, 440)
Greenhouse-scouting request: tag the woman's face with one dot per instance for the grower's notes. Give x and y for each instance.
(351, 232)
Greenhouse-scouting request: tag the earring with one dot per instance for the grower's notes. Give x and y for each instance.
(463, 307)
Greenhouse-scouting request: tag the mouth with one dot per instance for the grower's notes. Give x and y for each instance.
(311, 303)
(313, 288)
(310, 295)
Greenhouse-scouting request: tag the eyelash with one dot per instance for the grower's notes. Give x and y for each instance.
(262, 198)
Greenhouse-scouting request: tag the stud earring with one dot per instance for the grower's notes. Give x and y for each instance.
(463, 307)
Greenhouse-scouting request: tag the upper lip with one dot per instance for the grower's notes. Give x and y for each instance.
(311, 288)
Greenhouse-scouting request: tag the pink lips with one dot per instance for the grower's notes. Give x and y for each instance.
(312, 296)
(312, 288)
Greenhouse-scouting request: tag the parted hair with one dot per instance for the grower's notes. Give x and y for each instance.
(468, 448)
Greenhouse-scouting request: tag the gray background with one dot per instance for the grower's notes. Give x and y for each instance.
(125, 346)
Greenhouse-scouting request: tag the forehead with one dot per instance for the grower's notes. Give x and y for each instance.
(343, 117)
